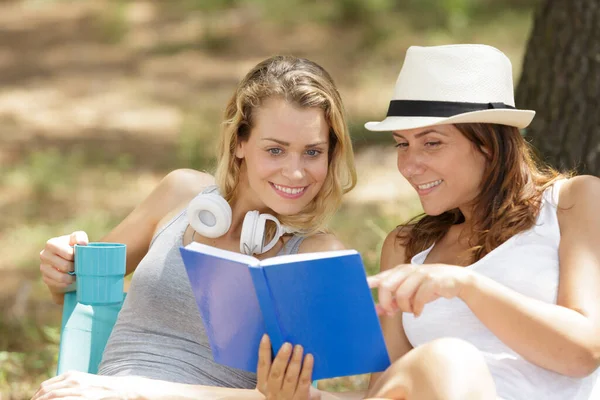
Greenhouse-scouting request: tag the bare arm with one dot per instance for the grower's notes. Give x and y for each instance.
(81, 385)
(173, 192)
(392, 254)
(137, 388)
(136, 230)
(564, 337)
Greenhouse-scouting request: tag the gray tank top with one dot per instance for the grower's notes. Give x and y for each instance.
(159, 333)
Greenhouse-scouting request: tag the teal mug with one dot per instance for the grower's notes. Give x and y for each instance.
(100, 272)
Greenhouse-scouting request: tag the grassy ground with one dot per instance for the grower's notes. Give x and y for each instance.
(100, 99)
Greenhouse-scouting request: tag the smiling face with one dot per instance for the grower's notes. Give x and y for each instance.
(443, 166)
(285, 158)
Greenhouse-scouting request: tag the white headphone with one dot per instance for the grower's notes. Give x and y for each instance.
(209, 214)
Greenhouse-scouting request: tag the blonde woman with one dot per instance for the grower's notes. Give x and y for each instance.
(284, 150)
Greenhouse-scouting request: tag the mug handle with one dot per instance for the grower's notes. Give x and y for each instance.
(72, 273)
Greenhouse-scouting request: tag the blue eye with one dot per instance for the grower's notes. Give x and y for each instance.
(275, 151)
(313, 153)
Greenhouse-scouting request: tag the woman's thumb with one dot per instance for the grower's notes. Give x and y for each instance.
(78, 237)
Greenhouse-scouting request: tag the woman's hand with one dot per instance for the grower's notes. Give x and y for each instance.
(56, 260)
(79, 385)
(409, 287)
(284, 378)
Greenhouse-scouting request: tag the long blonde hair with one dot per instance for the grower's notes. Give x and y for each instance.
(305, 84)
(511, 190)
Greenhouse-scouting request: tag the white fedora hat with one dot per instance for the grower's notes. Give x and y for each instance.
(453, 84)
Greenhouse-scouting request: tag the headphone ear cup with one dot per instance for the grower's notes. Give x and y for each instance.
(250, 242)
(209, 215)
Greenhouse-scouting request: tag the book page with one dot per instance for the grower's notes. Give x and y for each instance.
(290, 258)
(220, 253)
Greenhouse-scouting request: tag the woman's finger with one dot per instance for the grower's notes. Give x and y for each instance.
(52, 274)
(290, 382)
(405, 292)
(387, 288)
(304, 381)
(65, 393)
(49, 386)
(56, 261)
(376, 280)
(424, 294)
(264, 363)
(78, 237)
(57, 287)
(59, 246)
(278, 367)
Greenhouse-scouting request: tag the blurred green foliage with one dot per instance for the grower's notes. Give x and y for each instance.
(374, 19)
(196, 142)
(28, 350)
(434, 12)
(112, 22)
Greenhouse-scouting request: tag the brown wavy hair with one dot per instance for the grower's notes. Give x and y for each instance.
(513, 182)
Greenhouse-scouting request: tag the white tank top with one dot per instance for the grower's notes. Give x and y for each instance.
(527, 263)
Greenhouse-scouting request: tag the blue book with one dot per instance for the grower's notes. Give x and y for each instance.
(318, 300)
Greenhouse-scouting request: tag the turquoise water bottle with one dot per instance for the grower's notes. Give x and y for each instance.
(90, 312)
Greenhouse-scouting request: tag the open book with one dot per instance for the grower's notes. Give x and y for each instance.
(318, 300)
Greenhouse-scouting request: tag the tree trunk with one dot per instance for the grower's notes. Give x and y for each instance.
(561, 82)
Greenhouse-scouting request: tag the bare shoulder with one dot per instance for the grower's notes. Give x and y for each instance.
(176, 189)
(393, 251)
(321, 242)
(577, 203)
(138, 228)
(186, 183)
(579, 190)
